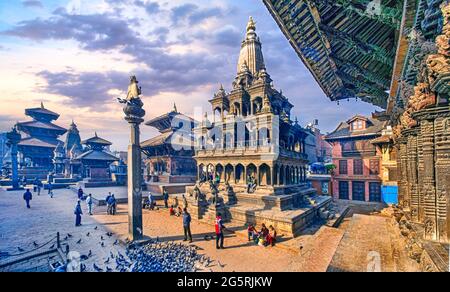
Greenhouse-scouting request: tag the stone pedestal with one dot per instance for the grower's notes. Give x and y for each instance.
(13, 139)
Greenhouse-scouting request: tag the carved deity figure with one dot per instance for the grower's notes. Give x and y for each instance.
(134, 91)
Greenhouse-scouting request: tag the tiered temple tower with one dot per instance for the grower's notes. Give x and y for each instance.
(252, 140)
(39, 141)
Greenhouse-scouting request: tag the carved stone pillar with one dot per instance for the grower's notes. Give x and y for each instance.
(412, 170)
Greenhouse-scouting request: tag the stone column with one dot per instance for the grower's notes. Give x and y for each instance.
(13, 138)
(134, 114)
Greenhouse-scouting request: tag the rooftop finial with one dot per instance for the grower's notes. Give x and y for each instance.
(42, 105)
(175, 107)
(96, 134)
(251, 24)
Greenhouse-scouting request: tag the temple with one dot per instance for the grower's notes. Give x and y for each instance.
(395, 55)
(39, 141)
(95, 163)
(251, 158)
(169, 163)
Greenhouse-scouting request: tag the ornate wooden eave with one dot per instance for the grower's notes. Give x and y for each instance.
(349, 49)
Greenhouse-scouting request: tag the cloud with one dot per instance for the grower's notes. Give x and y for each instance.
(193, 14)
(32, 3)
(150, 7)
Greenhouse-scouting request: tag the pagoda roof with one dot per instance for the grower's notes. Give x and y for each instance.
(163, 123)
(36, 142)
(374, 127)
(164, 138)
(96, 140)
(42, 125)
(41, 113)
(349, 46)
(97, 155)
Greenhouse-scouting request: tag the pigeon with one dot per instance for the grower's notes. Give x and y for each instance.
(109, 234)
(52, 247)
(109, 270)
(220, 265)
(79, 241)
(97, 268)
(139, 230)
(206, 238)
(96, 227)
(102, 244)
(84, 257)
(116, 242)
(88, 234)
(69, 235)
(101, 238)
(90, 253)
(111, 254)
(66, 238)
(82, 268)
(20, 249)
(107, 261)
(35, 244)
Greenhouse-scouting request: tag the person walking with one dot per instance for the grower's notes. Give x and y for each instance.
(166, 198)
(187, 225)
(50, 189)
(28, 196)
(38, 186)
(219, 231)
(89, 203)
(112, 205)
(151, 201)
(108, 207)
(185, 203)
(78, 212)
(80, 194)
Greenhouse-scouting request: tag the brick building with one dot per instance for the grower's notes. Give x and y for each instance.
(358, 161)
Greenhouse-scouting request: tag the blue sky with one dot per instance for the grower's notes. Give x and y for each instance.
(76, 56)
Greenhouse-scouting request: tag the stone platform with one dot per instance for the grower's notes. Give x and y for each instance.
(290, 210)
(96, 183)
(158, 188)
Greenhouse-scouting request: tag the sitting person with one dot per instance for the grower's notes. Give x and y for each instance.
(172, 211)
(272, 236)
(179, 212)
(264, 231)
(252, 233)
(261, 240)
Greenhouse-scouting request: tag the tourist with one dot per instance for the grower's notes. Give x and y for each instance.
(272, 236)
(80, 194)
(38, 186)
(89, 204)
(185, 203)
(151, 201)
(264, 231)
(28, 196)
(78, 212)
(50, 189)
(166, 198)
(172, 211)
(217, 180)
(112, 205)
(108, 207)
(252, 233)
(187, 226)
(219, 231)
(179, 212)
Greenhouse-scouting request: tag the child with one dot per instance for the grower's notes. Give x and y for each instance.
(272, 236)
(252, 233)
(172, 211)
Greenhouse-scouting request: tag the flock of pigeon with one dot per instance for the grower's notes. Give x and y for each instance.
(166, 257)
(155, 256)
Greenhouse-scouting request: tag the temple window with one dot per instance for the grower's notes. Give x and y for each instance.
(358, 167)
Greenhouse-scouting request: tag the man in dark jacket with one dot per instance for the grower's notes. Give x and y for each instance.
(78, 212)
(28, 196)
(80, 194)
(219, 231)
(166, 198)
(187, 225)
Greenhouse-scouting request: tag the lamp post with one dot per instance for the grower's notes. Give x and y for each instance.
(134, 113)
(13, 138)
